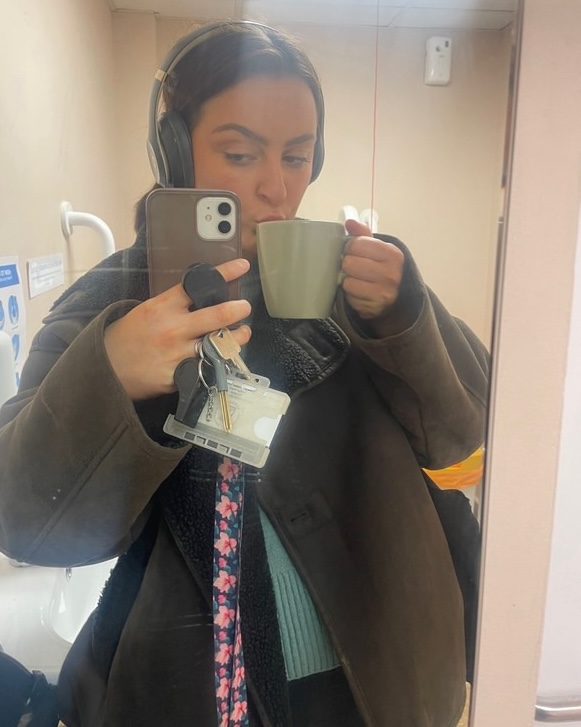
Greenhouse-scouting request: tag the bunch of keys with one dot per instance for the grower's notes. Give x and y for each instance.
(222, 352)
(199, 380)
(219, 371)
(205, 287)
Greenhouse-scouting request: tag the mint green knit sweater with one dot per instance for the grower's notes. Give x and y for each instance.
(306, 645)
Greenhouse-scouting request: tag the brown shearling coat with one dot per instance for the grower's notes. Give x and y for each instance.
(81, 467)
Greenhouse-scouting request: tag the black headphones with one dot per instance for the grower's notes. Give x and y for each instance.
(169, 143)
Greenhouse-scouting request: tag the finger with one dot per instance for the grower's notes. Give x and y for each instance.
(354, 227)
(206, 320)
(368, 270)
(230, 270)
(233, 269)
(369, 300)
(373, 249)
(365, 291)
(241, 335)
(376, 266)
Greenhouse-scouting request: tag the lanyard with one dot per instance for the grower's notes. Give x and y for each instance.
(229, 676)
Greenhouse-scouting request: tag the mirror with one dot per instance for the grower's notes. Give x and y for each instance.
(420, 161)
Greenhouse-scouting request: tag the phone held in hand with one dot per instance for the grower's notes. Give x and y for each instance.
(186, 226)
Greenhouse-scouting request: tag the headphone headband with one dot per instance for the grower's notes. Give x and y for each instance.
(168, 138)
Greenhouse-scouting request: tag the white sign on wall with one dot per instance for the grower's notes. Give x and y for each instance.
(45, 273)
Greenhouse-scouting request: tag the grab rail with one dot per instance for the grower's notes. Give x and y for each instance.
(70, 219)
(565, 709)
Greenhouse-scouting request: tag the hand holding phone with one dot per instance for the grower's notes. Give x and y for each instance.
(146, 345)
(184, 226)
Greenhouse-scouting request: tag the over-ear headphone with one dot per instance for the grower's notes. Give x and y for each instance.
(169, 143)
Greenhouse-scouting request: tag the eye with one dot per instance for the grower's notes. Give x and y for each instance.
(295, 161)
(239, 159)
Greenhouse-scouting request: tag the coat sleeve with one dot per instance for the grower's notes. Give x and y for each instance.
(78, 466)
(433, 376)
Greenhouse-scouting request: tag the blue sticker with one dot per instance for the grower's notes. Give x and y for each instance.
(8, 276)
(16, 345)
(13, 310)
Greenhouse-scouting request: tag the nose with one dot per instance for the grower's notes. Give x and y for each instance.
(272, 183)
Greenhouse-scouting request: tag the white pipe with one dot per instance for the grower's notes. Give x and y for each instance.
(370, 218)
(348, 212)
(70, 219)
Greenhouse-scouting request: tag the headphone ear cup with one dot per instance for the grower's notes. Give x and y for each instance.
(318, 157)
(176, 147)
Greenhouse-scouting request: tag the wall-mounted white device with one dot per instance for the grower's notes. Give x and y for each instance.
(438, 61)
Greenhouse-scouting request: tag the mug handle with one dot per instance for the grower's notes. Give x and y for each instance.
(341, 277)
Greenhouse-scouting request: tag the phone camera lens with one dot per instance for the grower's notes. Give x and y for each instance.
(224, 208)
(224, 227)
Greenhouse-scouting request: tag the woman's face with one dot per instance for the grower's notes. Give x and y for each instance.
(257, 140)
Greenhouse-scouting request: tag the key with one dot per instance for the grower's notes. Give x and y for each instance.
(221, 380)
(228, 348)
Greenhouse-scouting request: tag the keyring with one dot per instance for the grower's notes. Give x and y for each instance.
(201, 362)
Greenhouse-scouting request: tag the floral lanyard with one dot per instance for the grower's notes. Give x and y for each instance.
(229, 676)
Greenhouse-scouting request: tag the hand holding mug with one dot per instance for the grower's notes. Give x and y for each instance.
(373, 272)
(302, 262)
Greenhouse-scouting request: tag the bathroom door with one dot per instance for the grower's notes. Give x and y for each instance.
(559, 690)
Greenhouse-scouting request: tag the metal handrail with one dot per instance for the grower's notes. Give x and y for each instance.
(564, 709)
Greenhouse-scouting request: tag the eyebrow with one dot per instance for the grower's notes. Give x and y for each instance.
(253, 136)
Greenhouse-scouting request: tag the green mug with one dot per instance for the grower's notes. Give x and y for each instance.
(300, 266)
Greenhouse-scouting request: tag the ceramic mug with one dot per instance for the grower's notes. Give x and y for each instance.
(300, 266)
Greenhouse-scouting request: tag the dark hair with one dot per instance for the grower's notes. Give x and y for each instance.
(239, 51)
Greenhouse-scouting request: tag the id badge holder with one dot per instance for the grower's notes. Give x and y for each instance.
(256, 412)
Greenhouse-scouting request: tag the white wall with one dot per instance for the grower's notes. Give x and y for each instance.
(57, 131)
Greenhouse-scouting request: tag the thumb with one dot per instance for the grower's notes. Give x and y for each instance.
(356, 228)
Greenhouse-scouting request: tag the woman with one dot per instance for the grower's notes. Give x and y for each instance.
(350, 610)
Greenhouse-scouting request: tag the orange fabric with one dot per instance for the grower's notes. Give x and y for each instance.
(464, 474)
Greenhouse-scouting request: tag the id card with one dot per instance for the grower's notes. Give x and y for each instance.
(256, 412)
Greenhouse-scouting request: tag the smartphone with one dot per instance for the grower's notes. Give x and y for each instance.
(187, 226)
